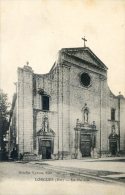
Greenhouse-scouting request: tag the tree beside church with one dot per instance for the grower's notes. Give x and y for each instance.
(4, 123)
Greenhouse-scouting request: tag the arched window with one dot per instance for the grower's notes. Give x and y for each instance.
(112, 114)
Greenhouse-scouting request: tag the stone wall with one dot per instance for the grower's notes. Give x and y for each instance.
(67, 98)
(25, 109)
(122, 124)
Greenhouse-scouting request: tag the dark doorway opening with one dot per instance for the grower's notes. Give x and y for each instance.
(46, 149)
(113, 147)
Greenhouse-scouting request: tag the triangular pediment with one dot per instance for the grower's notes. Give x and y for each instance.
(85, 54)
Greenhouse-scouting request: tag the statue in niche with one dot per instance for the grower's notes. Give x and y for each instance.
(85, 111)
(45, 124)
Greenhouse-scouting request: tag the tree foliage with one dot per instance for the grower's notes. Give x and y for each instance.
(4, 105)
(4, 115)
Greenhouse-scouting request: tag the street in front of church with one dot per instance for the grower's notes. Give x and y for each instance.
(104, 170)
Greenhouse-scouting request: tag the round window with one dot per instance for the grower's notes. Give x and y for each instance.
(85, 79)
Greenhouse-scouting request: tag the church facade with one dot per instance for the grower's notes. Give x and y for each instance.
(69, 112)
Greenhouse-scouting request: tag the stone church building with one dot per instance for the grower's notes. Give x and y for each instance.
(69, 112)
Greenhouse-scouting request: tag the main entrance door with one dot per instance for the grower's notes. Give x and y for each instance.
(85, 148)
(85, 145)
(46, 149)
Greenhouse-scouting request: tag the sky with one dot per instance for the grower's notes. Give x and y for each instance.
(35, 30)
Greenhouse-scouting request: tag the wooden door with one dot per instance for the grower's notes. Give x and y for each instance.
(43, 152)
(113, 147)
(86, 148)
(45, 149)
(85, 145)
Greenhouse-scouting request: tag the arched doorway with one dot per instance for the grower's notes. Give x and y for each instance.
(45, 143)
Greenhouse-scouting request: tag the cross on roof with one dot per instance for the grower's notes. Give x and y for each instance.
(84, 39)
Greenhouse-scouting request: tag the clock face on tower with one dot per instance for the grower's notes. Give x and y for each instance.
(85, 79)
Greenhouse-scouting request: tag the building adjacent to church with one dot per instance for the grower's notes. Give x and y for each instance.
(69, 112)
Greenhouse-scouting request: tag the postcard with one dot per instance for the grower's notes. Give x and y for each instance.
(62, 97)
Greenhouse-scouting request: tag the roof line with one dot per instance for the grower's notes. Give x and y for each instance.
(76, 57)
(85, 49)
